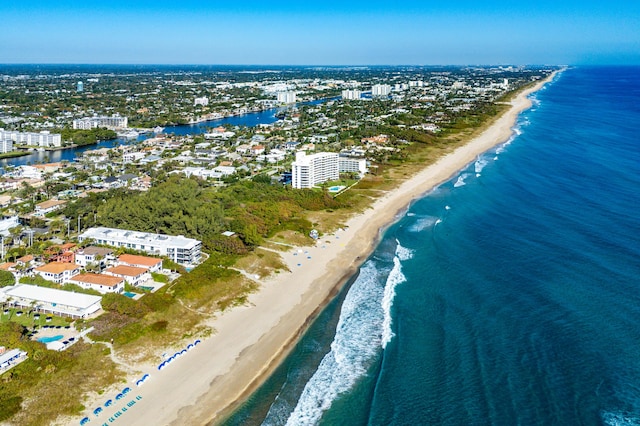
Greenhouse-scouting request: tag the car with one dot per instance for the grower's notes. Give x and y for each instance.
(119, 396)
(97, 411)
(126, 390)
(108, 403)
(84, 421)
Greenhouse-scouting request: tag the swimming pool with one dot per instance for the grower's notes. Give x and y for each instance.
(130, 295)
(50, 339)
(336, 188)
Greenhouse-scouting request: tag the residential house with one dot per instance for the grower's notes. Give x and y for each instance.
(94, 255)
(132, 275)
(153, 264)
(99, 282)
(48, 207)
(58, 272)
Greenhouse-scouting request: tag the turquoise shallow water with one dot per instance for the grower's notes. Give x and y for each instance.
(508, 295)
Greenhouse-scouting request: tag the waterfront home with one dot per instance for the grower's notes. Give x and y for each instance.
(99, 282)
(153, 264)
(58, 272)
(131, 274)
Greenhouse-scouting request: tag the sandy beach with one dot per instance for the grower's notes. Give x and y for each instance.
(205, 383)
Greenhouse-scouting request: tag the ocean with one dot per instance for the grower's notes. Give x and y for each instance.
(508, 295)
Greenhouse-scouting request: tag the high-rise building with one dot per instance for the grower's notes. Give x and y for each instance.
(42, 139)
(6, 145)
(351, 94)
(286, 97)
(308, 171)
(380, 90)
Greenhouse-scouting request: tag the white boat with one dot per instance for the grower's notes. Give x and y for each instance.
(131, 134)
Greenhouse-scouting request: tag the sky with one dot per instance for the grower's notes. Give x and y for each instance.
(334, 32)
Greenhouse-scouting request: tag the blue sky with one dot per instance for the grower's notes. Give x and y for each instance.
(321, 33)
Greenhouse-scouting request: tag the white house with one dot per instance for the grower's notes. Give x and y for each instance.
(93, 255)
(134, 276)
(58, 272)
(48, 206)
(152, 264)
(99, 282)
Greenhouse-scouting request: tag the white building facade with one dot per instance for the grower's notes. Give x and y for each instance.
(114, 122)
(186, 251)
(379, 90)
(352, 165)
(42, 139)
(286, 97)
(6, 145)
(311, 170)
(58, 302)
(350, 95)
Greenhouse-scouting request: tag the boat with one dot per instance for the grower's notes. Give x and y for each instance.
(131, 134)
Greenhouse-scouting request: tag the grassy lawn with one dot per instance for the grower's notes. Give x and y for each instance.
(29, 321)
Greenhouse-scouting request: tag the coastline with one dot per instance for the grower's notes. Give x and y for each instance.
(251, 340)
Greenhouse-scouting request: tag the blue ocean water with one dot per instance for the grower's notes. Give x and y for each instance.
(508, 295)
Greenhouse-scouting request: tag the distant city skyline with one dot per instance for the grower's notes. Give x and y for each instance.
(326, 33)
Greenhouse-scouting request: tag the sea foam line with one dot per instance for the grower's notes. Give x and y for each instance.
(358, 338)
(395, 277)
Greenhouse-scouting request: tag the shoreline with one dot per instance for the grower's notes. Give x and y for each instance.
(251, 341)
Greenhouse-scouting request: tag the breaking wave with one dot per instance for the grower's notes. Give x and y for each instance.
(363, 328)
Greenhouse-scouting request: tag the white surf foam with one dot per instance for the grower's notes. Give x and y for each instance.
(423, 223)
(357, 340)
(461, 180)
(395, 277)
(480, 164)
(359, 336)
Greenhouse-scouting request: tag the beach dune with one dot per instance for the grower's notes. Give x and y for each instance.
(250, 340)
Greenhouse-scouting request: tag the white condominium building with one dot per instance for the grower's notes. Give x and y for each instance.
(310, 170)
(42, 139)
(380, 90)
(203, 101)
(286, 97)
(114, 122)
(6, 145)
(352, 165)
(186, 251)
(351, 94)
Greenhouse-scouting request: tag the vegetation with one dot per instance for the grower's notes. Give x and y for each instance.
(27, 391)
(6, 278)
(87, 137)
